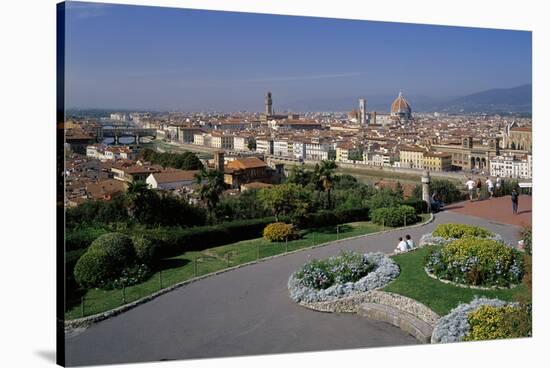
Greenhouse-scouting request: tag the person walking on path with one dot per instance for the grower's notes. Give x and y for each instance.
(490, 187)
(470, 184)
(478, 188)
(498, 185)
(515, 201)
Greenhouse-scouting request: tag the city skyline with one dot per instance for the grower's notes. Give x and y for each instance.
(136, 57)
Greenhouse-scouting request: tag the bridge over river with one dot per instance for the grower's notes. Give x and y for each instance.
(118, 132)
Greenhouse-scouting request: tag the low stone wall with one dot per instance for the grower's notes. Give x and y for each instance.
(352, 303)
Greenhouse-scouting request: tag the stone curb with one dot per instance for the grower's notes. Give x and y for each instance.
(468, 286)
(403, 309)
(87, 321)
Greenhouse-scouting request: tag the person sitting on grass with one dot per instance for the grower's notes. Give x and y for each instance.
(402, 246)
(410, 242)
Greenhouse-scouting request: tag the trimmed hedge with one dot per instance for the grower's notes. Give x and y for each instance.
(330, 218)
(94, 268)
(117, 246)
(82, 238)
(145, 250)
(419, 205)
(174, 241)
(105, 260)
(395, 216)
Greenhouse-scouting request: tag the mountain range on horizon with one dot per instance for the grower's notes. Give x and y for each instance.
(497, 100)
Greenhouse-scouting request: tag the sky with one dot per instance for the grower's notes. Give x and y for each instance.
(154, 58)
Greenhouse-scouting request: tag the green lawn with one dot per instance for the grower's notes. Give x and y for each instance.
(414, 283)
(184, 266)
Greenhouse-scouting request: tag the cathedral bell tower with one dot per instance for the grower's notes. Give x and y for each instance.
(268, 104)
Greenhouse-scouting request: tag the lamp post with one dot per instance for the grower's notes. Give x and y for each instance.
(426, 188)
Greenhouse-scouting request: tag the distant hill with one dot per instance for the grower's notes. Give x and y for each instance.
(501, 100)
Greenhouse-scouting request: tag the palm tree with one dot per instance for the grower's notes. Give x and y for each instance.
(212, 186)
(140, 200)
(326, 177)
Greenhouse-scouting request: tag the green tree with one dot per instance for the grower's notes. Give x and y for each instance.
(399, 191)
(356, 155)
(299, 175)
(252, 144)
(326, 177)
(212, 186)
(285, 199)
(383, 198)
(141, 202)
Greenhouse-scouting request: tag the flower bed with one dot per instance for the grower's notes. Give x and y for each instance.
(445, 234)
(458, 231)
(340, 276)
(455, 326)
(476, 262)
(489, 323)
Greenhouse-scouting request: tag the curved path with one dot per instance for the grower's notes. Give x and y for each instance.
(247, 311)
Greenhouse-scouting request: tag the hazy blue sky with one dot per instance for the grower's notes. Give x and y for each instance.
(121, 56)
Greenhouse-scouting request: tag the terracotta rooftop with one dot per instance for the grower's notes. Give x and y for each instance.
(105, 188)
(175, 176)
(246, 163)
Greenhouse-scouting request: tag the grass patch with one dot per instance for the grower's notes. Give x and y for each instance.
(414, 283)
(192, 264)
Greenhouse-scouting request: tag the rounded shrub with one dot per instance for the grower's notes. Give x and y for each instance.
(145, 250)
(458, 231)
(347, 267)
(279, 231)
(118, 246)
(94, 268)
(395, 216)
(489, 323)
(476, 261)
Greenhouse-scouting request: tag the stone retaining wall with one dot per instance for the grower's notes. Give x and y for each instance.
(351, 304)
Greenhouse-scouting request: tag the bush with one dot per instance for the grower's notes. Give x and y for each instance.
(419, 205)
(476, 261)
(94, 268)
(117, 246)
(447, 190)
(81, 238)
(527, 237)
(329, 218)
(176, 240)
(132, 275)
(458, 231)
(144, 249)
(279, 231)
(488, 323)
(347, 267)
(395, 216)
(384, 198)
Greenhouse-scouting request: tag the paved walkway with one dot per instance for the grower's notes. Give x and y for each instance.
(497, 209)
(247, 311)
